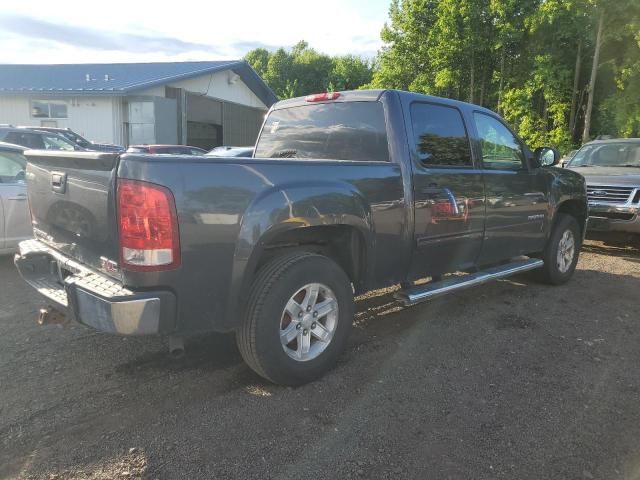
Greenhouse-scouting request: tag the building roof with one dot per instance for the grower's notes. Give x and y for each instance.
(118, 78)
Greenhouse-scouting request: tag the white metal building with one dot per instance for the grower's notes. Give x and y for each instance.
(203, 104)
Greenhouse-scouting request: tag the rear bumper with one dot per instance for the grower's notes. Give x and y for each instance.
(92, 299)
(612, 218)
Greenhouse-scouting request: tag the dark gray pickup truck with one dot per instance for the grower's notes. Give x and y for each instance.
(347, 192)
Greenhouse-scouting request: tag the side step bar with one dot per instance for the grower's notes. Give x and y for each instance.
(421, 293)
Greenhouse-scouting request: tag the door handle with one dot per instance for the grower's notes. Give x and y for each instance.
(59, 182)
(19, 197)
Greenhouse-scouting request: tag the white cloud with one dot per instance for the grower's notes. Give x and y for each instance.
(82, 31)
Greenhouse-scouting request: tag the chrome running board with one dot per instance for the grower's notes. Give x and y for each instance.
(428, 291)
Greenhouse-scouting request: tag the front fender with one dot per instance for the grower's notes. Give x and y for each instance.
(285, 207)
(567, 186)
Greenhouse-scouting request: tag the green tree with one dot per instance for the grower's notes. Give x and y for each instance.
(303, 70)
(259, 60)
(403, 62)
(531, 60)
(349, 73)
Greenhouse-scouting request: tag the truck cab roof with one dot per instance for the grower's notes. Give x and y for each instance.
(373, 96)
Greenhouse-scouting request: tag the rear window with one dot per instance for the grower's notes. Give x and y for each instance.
(172, 150)
(340, 131)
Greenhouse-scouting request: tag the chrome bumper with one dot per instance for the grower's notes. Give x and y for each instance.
(612, 218)
(93, 299)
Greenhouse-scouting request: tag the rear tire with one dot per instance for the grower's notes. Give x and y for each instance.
(297, 319)
(561, 252)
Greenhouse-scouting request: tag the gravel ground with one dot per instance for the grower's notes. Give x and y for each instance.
(508, 380)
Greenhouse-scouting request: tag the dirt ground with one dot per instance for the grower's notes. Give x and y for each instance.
(511, 380)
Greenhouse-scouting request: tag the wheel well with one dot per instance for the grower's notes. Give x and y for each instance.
(344, 244)
(577, 210)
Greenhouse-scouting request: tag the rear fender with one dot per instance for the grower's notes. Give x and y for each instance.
(289, 207)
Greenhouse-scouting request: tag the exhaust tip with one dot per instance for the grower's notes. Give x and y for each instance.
(51, 316)
(176, 347)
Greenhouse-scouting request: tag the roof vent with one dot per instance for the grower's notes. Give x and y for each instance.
(106, 77)
(87, 77)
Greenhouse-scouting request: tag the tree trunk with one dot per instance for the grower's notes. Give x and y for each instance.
(472, 85)
(592, 82)
(501, 81)
(574, 93)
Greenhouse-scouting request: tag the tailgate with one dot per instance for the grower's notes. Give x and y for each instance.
(72, 200)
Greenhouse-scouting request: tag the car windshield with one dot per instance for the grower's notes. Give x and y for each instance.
(75, 138)
(619, 154)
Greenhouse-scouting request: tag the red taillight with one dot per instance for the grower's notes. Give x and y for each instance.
(148, 227)
(322, 97)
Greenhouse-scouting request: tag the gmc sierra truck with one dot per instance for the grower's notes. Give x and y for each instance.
(347, 192)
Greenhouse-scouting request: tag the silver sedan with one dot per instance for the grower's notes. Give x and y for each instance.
(15, 220)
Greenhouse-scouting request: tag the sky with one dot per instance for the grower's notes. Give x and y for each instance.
(110, 31)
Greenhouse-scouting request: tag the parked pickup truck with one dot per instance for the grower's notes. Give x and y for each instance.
(348, 192)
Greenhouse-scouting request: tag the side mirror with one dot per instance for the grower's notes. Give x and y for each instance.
(547, 156)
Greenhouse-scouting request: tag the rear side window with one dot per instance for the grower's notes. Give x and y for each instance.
(439, 136)
(25, 139)
(52, 142)
(340, 131)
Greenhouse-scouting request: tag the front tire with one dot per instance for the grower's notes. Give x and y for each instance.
(561, 252)
(298, 318)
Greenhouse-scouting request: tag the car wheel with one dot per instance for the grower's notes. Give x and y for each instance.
(298, 318)
(561, 252)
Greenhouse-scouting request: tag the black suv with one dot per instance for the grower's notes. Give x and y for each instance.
(37, 139)
(79, 139)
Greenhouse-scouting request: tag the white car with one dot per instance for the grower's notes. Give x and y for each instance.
(15, 220)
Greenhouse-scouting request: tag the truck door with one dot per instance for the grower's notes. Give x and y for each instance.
(516, 193)
(448, 191)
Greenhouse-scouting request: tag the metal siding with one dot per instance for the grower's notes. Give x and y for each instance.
(141, 121)
(203, 109)
(166, 115)
(15, 110)
(91, 117)
(226, 86)
(119, 119)
(241, 124)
